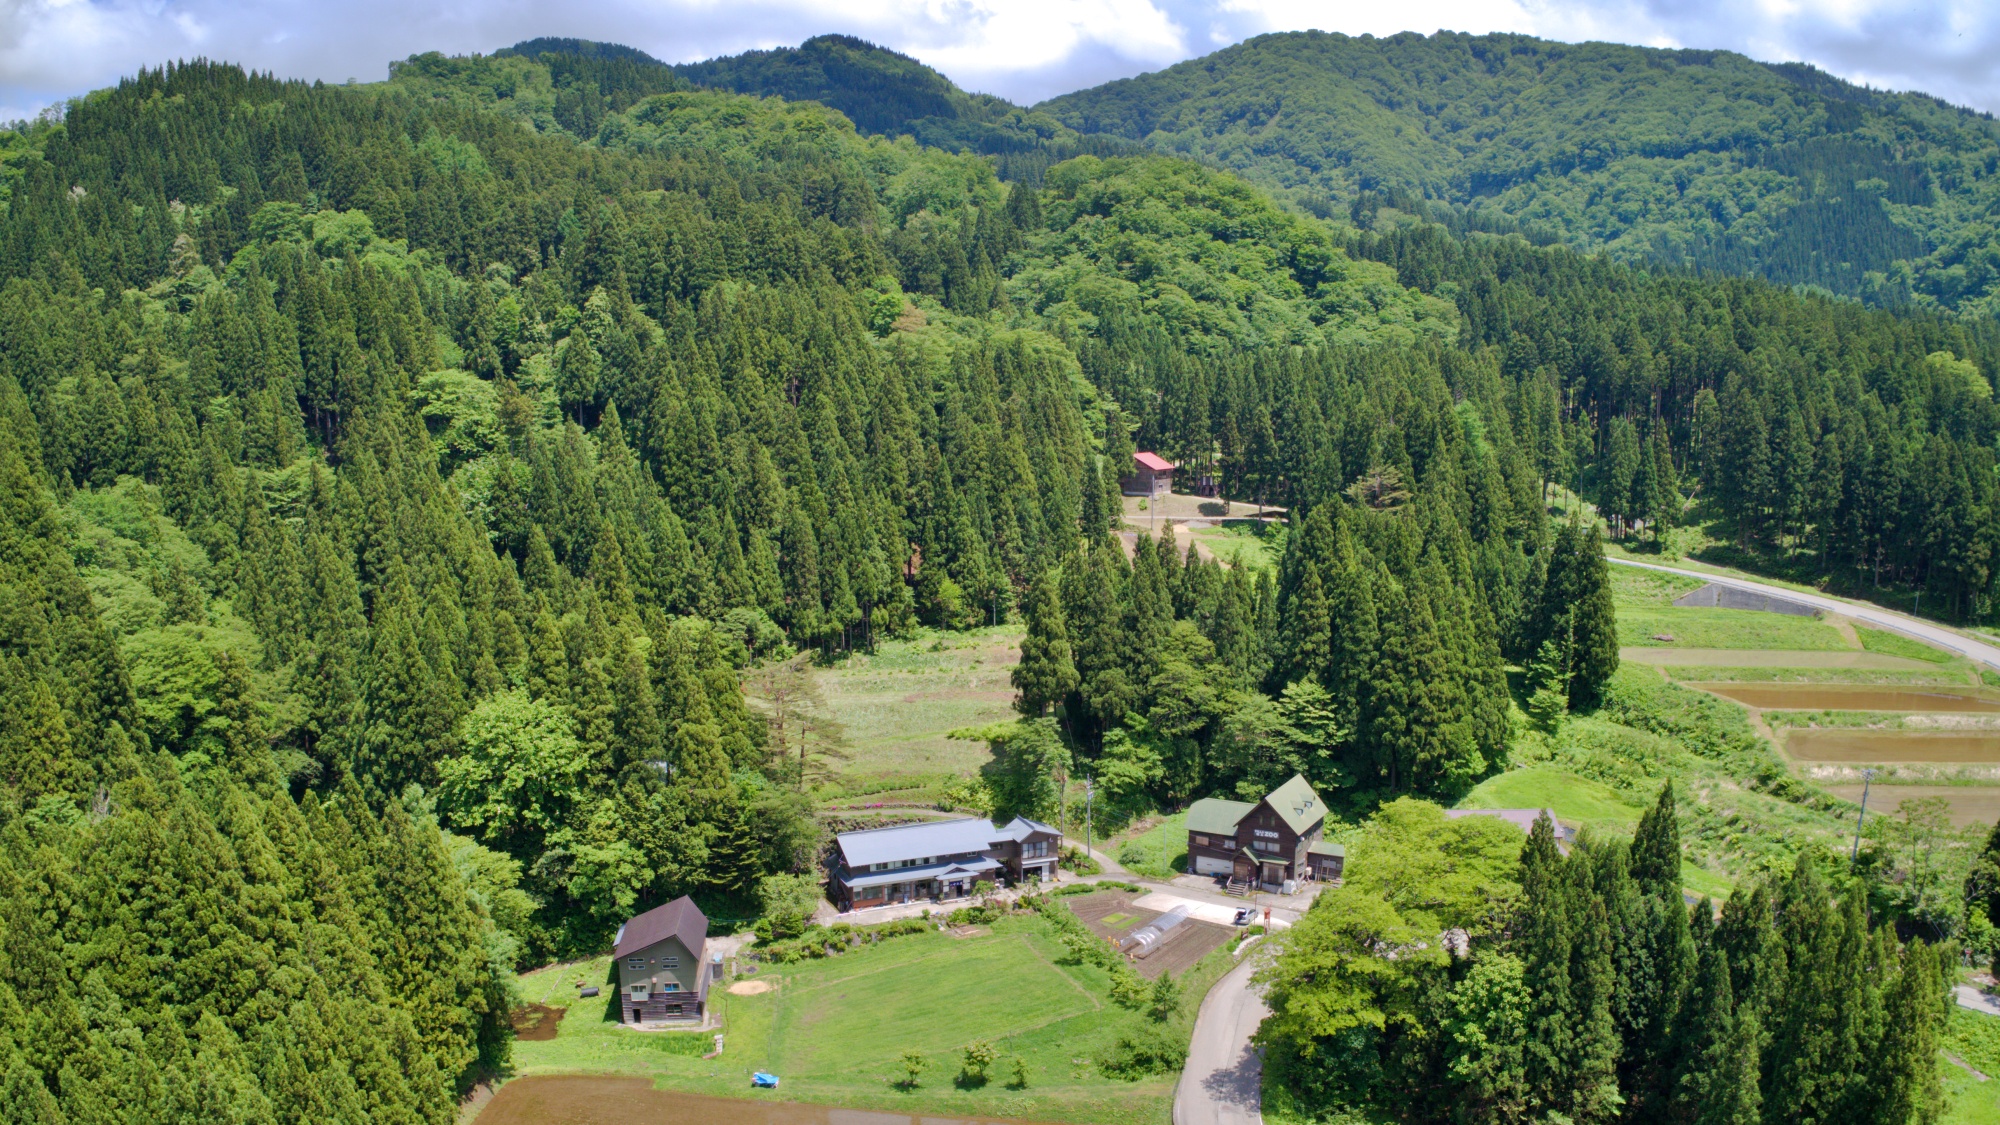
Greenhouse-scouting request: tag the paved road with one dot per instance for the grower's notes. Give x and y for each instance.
(1970, 996)
(1875, 615)
(1220, 1084)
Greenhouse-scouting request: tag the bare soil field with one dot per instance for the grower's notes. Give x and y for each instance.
(1848, 697)
(1825, 745)
(1970, 804)
(1111, 915)
(580, 1100)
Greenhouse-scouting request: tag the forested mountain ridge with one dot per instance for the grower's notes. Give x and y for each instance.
(1655, 157)
(1703, 158)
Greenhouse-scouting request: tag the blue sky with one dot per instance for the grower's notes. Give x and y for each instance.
(1021, 49)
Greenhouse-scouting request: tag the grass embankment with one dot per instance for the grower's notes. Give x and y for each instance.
(835, 1030)
(1159, 852)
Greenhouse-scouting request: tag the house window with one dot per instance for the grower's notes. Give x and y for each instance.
(670, 962)
(635, 963)
(1202, 840)
(670, 986)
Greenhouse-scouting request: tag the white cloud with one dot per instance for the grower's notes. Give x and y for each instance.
(1022, 49)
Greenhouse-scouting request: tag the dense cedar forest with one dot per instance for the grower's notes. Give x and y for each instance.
(395, 480)
(1582, 987)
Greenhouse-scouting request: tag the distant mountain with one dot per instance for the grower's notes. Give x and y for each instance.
(892, 94)
(880, 90)
(582, 48)
(1702, 158)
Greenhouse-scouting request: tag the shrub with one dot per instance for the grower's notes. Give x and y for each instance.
(1074, 859)
(1136, 1054)
(913, 1062)
(979, 1058)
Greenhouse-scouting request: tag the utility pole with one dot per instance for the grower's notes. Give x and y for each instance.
(1086, 816)
(1866, 777)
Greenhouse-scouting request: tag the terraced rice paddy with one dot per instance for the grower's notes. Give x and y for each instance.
(1891, 746)
(1969, 804)
(1848, 697)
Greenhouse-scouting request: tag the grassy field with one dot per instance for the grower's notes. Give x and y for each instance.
(1974, 1040)
(1726, 628)
(1895, 644)
(897, 703)
(835, 1030)
(1257, 546)
(1576, 799)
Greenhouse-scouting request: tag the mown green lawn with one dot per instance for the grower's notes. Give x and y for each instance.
(1725, 628)
(834, 1030)
(1544, 787)
(1896, 644)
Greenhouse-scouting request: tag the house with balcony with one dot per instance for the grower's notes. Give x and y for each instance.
(937, 860)
(1264, 843)
(661, 975)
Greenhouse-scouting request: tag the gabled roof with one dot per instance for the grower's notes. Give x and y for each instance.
(950, 869)
(1213, 814)
(936, 838)
(1154, 462)
(680, 918)
(1020, 828)
(1296, 804)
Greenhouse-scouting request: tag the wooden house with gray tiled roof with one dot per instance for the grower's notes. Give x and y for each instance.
(1263, 843)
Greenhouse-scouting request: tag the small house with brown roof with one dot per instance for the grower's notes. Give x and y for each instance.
(1152, 475)
(1263, 843)
(661, 975)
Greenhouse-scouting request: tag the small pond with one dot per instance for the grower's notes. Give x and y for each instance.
(585, 1100)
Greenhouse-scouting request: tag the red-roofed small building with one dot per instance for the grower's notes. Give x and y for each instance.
(1152, 475)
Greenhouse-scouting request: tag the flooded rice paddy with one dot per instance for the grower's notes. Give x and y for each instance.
(583, 1100)
(1850, 697)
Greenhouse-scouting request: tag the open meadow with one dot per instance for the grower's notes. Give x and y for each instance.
(835, 1029)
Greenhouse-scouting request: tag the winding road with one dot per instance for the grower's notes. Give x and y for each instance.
(1875, 615)
(1221, 1084)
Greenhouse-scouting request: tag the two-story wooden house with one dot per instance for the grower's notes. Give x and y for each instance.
(938, 859)
(1263, 843)
(661, 975)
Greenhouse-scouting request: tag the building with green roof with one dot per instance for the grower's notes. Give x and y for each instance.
(1265, 843)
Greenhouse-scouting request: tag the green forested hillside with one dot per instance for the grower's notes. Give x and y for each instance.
(395, 480)
(1701, 158)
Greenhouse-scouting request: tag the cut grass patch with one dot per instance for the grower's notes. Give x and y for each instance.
(1725, 628)
(1573, 798)
(1896, 644)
